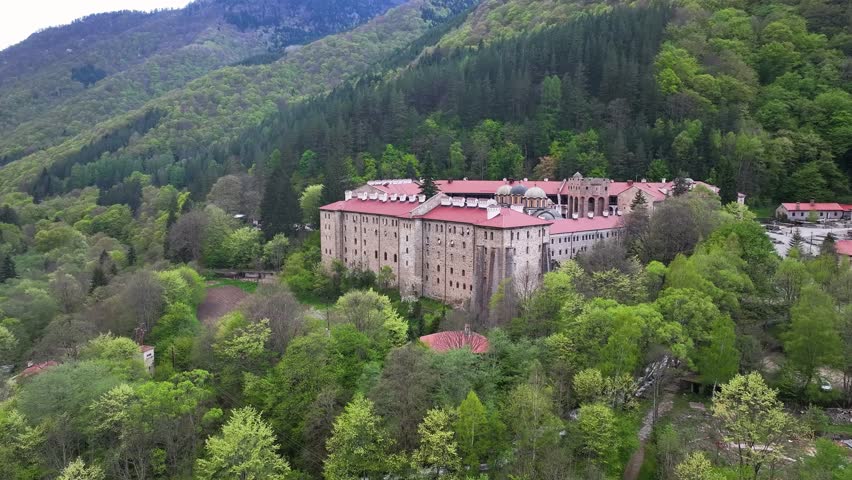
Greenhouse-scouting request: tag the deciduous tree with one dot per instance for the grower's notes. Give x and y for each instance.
(245, 450)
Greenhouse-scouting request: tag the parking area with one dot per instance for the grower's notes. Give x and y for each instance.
(782, 233)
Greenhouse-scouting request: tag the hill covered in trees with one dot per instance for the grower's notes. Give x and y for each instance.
(115, 229)
(61, 81)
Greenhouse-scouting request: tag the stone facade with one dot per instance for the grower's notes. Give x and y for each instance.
(449, 253)
(459, 248)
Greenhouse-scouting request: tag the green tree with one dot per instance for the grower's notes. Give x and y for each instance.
(8, 346)
(310, 203)
(243, 247)
(427, 183)
(719, 360)
(751, 417)
(813, 340)
(77, 470)
(696, 467)
(476, 431)
(245, 450)
(597, 427)
(359, 446)
(532, 423)
(438, 449)
(275, 250)
(7, 269)
(829, 462)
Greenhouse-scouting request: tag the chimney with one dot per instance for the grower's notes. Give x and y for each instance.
(492, 211)
(630, 183)
(798, 206)
(526, 180)
(664, 179)
(383, 197)
(347, 195)
(403, 198)
(466, 330)
(812, 201)
(421, 198)
(393, 197)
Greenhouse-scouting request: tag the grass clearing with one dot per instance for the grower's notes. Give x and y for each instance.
(246, 286)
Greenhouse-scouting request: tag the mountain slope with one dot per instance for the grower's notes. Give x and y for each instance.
(63, 80)
(210, 111)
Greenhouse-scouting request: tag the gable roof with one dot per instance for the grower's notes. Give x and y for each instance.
(806, 207)
(507, 218)
(844, 247)
(563, 226)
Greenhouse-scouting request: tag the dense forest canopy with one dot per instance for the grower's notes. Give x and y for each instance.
(123, 200)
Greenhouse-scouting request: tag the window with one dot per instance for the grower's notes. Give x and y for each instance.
(439, 268)
(451, 270)
(394, 258)
(462, 273)
(492, 235)
(386, 256)
(377, 254)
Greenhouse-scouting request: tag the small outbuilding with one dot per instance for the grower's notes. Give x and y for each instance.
(455, 340)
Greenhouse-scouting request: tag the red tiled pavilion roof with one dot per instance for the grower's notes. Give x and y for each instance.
(446, 341)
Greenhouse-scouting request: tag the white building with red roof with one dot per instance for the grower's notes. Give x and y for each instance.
(459, 245)
(800, 212)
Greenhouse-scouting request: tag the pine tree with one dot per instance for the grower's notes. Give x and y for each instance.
(99, 279)
(797, 242)
(7, 269)
(131, 256)
(279, 208)
(828, 247)
(726, 180)
(638, 202)
(427, 184)
(680, 187)
(170, 220)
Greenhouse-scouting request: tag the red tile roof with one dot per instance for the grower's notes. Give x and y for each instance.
(399, 187)
(807, 206)
(844, 247)
(846, 207)
(562, 226)
(657, 190)
(145, 348)
(373, 207)
(489, 187)
(446, 341)
(38, 368)
(507, 218)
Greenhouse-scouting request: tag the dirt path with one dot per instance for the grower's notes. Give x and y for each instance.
(218, 302)
(631, 471)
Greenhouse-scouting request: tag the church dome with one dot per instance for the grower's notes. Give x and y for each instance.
(535, 192)
(504, 190)
(519, 189)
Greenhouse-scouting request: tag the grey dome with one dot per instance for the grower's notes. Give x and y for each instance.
(535, 192)
(503, 190)
(519, 189)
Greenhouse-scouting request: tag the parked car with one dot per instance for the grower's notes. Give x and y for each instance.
(824, 385)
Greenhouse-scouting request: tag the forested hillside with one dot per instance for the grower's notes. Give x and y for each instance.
(194, 134)
(684, 349)
(60, 82)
